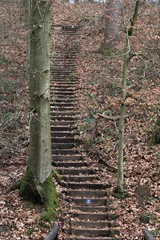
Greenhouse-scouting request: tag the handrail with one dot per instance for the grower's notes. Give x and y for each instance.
(147, 234)
(53, 235)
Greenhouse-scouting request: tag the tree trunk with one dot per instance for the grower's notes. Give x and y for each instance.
(111, 31)
(127, 58)
(37, 184)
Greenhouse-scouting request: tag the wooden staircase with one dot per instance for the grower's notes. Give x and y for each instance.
(89, 216)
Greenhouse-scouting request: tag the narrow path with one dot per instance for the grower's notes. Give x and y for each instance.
(89, 216)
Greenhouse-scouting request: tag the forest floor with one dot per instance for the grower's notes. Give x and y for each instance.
(99, 74)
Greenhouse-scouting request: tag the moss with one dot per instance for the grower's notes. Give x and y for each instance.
(118, 194)
(28, 189)
(40, 193)
(57, 176)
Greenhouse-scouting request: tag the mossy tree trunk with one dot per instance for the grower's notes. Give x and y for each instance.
(127, 57)
(37, 185)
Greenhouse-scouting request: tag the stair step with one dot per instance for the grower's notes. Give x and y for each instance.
(63, 123)
(64, 151)
(62, 105)
(84, 178)
(88, 238)
(90, 208)
(93, 201)
(69, 164)
(63, 128)
(67, 157)
(94, 216)
(64, 113)
(62, 109)
(66, 171)
(65, 100)
(63, 146)
(64, 134)
(88, 185)
(94, 232)
(63, 140)
(63, 118)
(88, 193)
(93, 224)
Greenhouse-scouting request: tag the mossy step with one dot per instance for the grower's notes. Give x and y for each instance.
(88, 193)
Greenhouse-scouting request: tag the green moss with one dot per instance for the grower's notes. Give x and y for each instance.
(40, 193)
(57, 176)
(120, 195)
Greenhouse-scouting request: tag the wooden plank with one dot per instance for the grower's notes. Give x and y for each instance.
(53, 235)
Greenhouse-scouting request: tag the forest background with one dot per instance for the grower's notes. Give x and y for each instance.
(100, 94)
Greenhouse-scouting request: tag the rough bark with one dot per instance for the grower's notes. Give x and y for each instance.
(111, 31)
(37, 184)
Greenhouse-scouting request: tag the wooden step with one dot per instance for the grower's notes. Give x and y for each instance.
(63, 128)
(94, 216)
(65, 151)
(69, 164)
(64, 134)
(93, 224)
(91, 232)
(84, 201)
(77, 171)
(67, 157)
(80, 186)
(89, 238)
(87, 193)
(63, 140)
(63, 123)
(90, 208)
(63, 145)
(81, 178)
